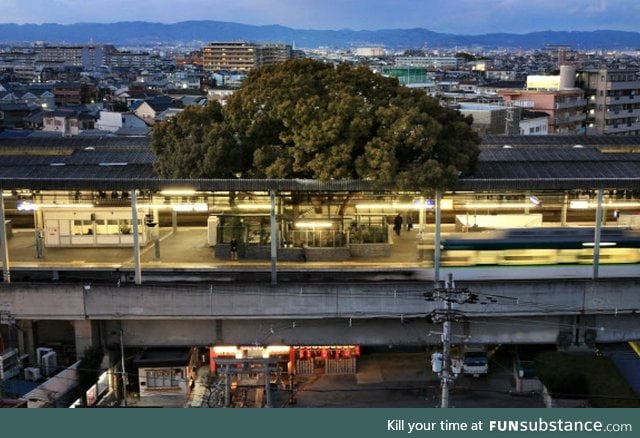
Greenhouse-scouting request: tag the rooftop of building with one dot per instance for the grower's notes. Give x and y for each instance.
(108, 162)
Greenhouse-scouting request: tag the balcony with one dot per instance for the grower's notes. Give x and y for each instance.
(563, 120)
(622, 114)
(623, 85)
(621, 127)
(579, 103)
(619, 100)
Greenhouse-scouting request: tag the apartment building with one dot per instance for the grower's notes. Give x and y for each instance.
(88, 57)
(243, 56)
(613, 100)
(432, 62)
(557, 96)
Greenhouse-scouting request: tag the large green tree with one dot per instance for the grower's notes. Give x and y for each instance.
(308, 119)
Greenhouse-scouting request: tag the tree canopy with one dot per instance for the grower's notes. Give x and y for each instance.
(308, 119)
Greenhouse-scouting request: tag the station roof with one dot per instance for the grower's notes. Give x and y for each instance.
(110, 162)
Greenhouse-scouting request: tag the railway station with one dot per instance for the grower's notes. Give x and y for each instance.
(98, 250)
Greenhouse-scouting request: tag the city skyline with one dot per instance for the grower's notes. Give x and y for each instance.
(465, 17)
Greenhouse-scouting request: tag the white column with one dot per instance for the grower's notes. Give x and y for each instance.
(4, 247)
(136, 236)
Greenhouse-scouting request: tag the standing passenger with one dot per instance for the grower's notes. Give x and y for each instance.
(397, 224)
(233, 248)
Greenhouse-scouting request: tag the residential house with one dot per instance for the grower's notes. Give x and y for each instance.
(148, 109)
(534, 122)
(114, 121)
(14, 115)
(68, 122)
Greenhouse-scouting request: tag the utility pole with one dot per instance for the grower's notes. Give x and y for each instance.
(447, 316)
(451, 294)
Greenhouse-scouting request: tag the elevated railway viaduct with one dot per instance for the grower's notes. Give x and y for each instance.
(86, 295)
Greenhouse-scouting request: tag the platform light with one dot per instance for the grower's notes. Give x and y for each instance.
(622, 204)
(257, 206)
(579, 204)
(591, 244)
(583, 204)
(428, 204)
(188, 206)
(178, 192)
(498, 206)
(314, 224)
(31, 206)
(534, 200)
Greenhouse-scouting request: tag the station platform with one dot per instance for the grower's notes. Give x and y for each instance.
(188, 248)
(185, 256)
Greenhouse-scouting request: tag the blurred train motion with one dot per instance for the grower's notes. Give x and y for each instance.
(541, 246)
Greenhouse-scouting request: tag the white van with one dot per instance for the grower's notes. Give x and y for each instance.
(475, 362)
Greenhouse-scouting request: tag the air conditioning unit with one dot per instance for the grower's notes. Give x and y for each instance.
(32, 374)
(41, 351)
(9, 364)
(49, 363)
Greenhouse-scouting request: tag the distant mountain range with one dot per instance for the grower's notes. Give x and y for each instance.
(146, 33)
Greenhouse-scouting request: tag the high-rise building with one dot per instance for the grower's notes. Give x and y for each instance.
(613, 100)
(242, 56)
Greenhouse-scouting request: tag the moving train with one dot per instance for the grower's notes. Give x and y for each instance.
(541, 246)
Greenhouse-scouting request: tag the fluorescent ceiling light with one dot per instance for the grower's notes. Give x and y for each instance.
(30, 206)
(178, 192)
(495, 205)
(257, 206)
(315, 224)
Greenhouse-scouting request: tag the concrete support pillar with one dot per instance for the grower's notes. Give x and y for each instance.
(84, 336)
(26, 343)
(596, 237)
(565, 207)
(136, 237)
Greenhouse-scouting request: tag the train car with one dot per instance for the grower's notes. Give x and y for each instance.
(541, 246)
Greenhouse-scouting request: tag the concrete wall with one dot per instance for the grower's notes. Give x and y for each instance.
(525, 311)
(313, 300)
